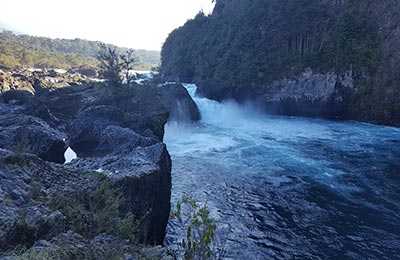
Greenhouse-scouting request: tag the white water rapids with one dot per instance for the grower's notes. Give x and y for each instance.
(289, 187)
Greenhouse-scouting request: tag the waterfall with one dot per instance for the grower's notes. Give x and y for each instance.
(275, 184)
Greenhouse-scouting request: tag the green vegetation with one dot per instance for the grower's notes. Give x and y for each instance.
(245, 45)
(96, 211)
(41, 52)
(377, 102)
(45, 253)
(115, 66)
(259, 41)
(25, 232)
(355, 43)
(199, 242)
(18, 161)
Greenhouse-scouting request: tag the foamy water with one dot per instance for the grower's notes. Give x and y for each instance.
(288, 187)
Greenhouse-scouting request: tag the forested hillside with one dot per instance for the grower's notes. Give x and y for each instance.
(247, 45)
(41, 52)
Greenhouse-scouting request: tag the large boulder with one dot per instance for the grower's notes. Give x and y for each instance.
(39, 199)
(182, 106)
(86, 131)
(115, 140)
(24, 133)
(144, 175)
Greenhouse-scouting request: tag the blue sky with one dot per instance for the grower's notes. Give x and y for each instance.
(137, 24)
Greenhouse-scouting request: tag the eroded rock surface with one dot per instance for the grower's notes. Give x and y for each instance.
(122, 175)
(309, 94)
(22, 132)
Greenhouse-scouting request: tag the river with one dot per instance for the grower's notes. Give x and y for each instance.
(289, 187)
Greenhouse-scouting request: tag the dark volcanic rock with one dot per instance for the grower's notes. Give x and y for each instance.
(24, 133)
(144, 175)
(182, 106)
(213, 89)
(70, 245)
(115, 139)
(150, 194)
(309, 94)
(67, 103)
(29, 184)
(32, 105)
(86, 130)
(146, 108)
(117, 134)
(22, 216)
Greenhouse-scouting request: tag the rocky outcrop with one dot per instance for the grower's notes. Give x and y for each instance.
(30, 105)
(71, 245)
(182, 106)
(25, 183)
(309, 94)
(148, 190)
(88, 72)
(115, 139)
(84, 137)
(28, 218)
(213, 89)
(119, 186)
(38, 81)
(144, 176)
(24, 133)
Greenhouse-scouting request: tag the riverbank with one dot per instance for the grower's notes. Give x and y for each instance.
(114, 199)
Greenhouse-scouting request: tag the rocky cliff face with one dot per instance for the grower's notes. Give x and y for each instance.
(118, 188)
(263, 48)
(309, 94)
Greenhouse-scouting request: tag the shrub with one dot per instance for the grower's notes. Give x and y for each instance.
(44, 253)
(199, 240)
(25, 232)
(96, 211)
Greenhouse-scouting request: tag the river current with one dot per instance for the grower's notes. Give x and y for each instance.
(289, 187)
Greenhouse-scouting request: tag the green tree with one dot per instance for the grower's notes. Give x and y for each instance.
(128, 60)
(41, 52)
(110, 64)
(116, 67)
